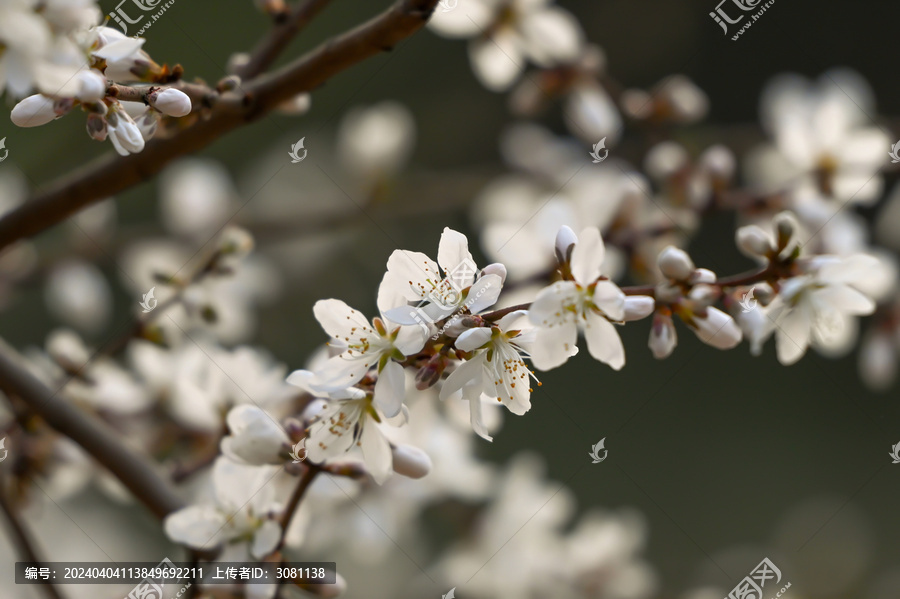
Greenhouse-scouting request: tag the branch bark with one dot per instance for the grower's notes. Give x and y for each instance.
(96, 438)
(23, 541)
(274, 44)
(111, 174)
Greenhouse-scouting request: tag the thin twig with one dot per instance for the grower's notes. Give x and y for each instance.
(111, 174)
(739, 280)
(24, 542)
(271, 46)
(306, 479)
(133, 470)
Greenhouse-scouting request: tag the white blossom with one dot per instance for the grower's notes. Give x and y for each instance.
(823, 137)
(377, 140)
(360, 346)
(350, 418)
(255, 437)
(242, 513)
(497, 370)
(816, 307)
(414, 277)
(507, 34)
(584, 302)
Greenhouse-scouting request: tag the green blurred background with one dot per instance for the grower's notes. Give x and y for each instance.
(731, 458)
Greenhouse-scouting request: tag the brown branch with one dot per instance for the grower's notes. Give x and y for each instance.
(271, 46)
(133, 470)
(23, 540)
(306, 479)
(773, 271)
(111, 174)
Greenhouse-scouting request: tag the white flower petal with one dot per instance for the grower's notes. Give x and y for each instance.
(470, 373)
(484, 293)
(473, 339)
(793, 335)
(337, 318)
(266, 539)
(610, 299)
(551, 35)
(410, 340)
(554, 345)
(377, 452)
(603, 341)
(454, 258)
(196, 526)
(343, 371)
(390, 389)
(587, 257)
(497, 60)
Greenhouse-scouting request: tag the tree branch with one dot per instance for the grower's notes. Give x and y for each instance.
(97, 439)
(23, 540)
(274, 44)
(111, 174)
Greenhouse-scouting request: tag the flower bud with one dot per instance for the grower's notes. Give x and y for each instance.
(410, 461)
(96, 127)
(34, 111)
(67, 350)
(638, 307)
(235, 240)
(148, 124)
(171, 102)
(753, 241)
(666, 159)
(229, 83)
(702, 276)
(430, 374)
(237, 61)
(663, 338)
(299, 104)
(92, 86)
(674, 263)
(785, 227)
(123, 132)
(704, 294)
(719, 161)
(565, 241)
(764, 293)
(717, 329)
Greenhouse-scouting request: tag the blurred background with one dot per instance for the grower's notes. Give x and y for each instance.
(729, 458)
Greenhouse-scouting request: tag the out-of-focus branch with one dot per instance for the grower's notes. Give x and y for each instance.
(112, 174)
(271, 46)
(132, 469)
(23, 540)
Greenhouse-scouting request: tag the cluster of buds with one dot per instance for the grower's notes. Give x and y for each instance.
(127, 124)
(688, 292)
